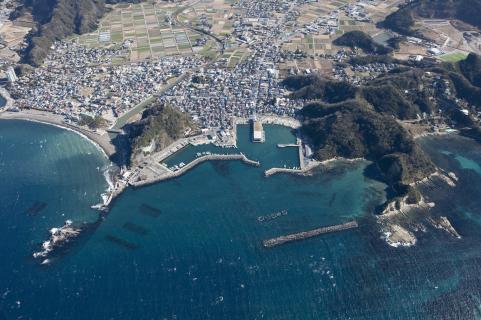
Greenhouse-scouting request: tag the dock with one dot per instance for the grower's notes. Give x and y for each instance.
(308, 234)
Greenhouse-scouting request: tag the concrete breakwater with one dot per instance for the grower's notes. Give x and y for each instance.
(273, 171)
(308, 234)
(304, 169)
(190, 165)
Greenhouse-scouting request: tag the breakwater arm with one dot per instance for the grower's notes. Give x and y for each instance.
(190, 165)
(304, 169)
(308, 234)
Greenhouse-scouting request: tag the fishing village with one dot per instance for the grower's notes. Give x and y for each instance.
(101, 84)
(155, 170)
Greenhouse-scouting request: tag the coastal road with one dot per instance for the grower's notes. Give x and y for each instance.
(139, 108)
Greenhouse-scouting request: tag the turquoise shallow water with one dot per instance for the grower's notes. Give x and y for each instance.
(190, 248)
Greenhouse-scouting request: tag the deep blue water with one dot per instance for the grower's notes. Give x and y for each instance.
(198, 255)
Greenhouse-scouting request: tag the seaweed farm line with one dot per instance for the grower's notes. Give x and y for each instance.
(308, 234)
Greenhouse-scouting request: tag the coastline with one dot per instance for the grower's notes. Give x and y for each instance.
(100, 141)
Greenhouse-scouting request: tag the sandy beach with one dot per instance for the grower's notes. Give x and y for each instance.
(101, 140)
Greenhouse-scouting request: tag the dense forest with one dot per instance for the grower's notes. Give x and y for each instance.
(351, 129)
(360, 122)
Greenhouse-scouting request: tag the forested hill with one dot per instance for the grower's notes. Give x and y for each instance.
(359, 39)
(160, 126)
(402, 21)
(352, 122)
(342, 120)
(57, 19)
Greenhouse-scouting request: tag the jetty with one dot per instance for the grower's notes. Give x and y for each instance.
(308, 234)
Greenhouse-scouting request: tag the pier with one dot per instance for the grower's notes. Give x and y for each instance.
(287, 145)
(308, 234)
(258, 134)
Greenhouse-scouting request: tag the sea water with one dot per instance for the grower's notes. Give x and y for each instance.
(191, 248)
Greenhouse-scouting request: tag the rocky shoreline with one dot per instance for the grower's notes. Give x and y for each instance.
(59, 237)
(392, 223)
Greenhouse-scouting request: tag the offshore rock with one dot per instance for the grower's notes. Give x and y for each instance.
(58, 238)
(444, 224)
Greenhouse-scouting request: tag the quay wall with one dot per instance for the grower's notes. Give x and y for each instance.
(308, 234)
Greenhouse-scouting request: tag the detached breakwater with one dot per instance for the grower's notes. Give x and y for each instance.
(308, 234)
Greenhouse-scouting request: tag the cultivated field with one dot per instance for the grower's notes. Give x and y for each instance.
(212, 13)
(149, 28)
